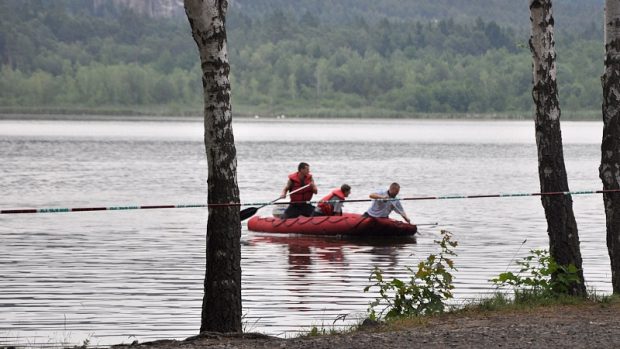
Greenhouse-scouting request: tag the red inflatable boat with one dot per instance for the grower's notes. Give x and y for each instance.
(349, 224)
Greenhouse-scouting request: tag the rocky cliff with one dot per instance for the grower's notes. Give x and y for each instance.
(150, 8)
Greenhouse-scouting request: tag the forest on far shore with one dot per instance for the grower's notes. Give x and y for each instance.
(62, 55)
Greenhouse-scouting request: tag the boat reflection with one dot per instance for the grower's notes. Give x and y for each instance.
(332, 251)
(325, 272)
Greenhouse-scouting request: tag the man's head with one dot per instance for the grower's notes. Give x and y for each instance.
(345, 189)
(303, 168)
(394, 190)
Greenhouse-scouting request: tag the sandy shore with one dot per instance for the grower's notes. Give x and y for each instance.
(566, 326)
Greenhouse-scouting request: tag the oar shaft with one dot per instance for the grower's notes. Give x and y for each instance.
(249, 212)
(289, 193)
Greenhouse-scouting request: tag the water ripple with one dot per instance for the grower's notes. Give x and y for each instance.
(119, 276)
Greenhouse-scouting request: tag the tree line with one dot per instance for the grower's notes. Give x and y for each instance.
(570, 15)
(281, 63)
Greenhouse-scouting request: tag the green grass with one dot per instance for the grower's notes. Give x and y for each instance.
(498, 303)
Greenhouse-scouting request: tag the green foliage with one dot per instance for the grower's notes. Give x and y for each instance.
(320, 331)
(323, 330)
(540, 276)
(573, 14)
(498, 301)
(426, 292)
(66, 53)
(501, 302)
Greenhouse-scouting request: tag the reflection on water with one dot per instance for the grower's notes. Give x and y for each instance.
(328, 253)
(121, 276)
(319, 270)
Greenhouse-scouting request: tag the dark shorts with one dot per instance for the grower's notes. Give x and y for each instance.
(296, 210)
(318, 213)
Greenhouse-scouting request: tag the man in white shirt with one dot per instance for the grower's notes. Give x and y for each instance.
(382, 208)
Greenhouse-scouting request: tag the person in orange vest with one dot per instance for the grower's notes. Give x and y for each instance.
(333, 208)
(295, 181)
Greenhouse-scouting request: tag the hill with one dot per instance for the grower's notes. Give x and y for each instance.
(570, 14)
(356, 59)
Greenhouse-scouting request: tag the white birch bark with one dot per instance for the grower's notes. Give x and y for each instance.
(609, 170)
(221, 309)
(561, 224)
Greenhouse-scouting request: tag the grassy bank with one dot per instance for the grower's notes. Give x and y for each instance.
(503, 307)
(497, 305)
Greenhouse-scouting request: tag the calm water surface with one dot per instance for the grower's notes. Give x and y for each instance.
(118, 276)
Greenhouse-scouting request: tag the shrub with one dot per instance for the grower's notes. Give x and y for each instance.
(537, 281)
(426, 292)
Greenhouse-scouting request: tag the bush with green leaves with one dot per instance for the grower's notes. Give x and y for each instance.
(534, 279)
(426, 292)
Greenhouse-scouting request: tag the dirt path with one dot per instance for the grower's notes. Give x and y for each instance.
(582, 326)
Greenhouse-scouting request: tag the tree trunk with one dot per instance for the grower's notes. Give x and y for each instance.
(609, 171)
(561, 224)
(221, 307)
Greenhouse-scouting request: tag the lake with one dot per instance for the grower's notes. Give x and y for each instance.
(120, 276)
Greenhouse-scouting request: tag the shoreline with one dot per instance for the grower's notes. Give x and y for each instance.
(246, 118)
(588, 325)
(243, 112)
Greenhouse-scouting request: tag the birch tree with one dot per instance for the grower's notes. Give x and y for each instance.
(561, 224)
(221, 307)
(609, 170)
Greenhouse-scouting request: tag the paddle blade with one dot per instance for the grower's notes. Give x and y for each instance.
(247, 213)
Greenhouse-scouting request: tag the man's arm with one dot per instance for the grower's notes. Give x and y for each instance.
(377, 196)
(401, 211)
(404, 215)
(314, 188)
(287, 187)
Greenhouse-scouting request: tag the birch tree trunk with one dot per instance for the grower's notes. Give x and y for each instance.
(609, 171)
(221, 307)
(561, 224)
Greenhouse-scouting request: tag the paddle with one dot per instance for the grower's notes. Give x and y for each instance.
(250, 211)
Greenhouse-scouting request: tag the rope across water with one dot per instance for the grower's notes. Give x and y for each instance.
(239, 204)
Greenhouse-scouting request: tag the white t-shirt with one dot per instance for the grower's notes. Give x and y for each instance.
(381, 208)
